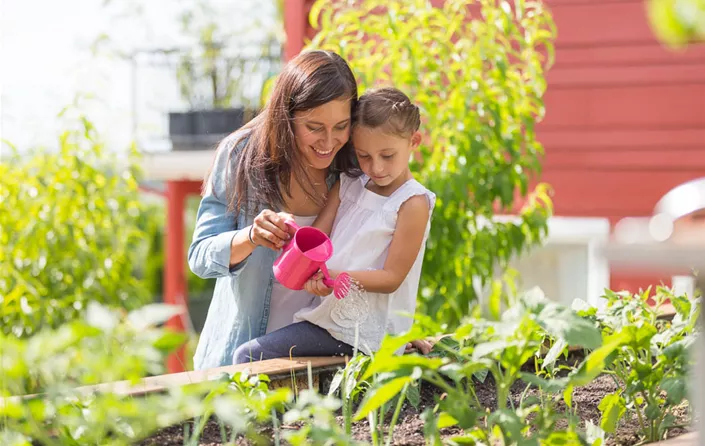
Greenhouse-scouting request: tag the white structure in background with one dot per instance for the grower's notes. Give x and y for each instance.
(568, 266)
(177, 165)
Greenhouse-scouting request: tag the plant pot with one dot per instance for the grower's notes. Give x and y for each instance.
(203, 129)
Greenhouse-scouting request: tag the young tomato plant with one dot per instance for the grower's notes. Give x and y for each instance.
(479, 349)
(652, 362)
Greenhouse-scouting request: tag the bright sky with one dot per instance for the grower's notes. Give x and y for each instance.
(45, 61)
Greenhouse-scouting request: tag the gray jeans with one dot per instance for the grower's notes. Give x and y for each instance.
(306, 339)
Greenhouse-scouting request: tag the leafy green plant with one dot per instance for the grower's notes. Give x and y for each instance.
(317, 413)
(42, 399)
(152, 221)
(245, 404)
(348, 384)
(68, 232)
(652, 360)
(499, 349)
(388, 391)
(476, 70)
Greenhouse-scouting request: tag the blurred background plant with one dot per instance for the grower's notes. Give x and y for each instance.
(677, 22)
(40, 398)
(70, 230)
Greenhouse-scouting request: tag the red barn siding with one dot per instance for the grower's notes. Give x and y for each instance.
(625, 118)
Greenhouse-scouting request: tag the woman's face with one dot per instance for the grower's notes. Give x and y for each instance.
(322, 131)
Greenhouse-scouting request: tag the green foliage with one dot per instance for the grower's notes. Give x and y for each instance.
(41, 401)
(677, 22)
(40, 376)
(320, 427)
(500, 348)
(652, 359)
(69, 232)
(152, 221)
(349, 384)
(75, 353)
(646, 354)
(476, 70)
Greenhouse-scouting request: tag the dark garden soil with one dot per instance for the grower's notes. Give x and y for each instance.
(409, 430)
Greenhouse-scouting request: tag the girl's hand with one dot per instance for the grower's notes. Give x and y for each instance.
(269, 229)
(421, 345)
(315, 285)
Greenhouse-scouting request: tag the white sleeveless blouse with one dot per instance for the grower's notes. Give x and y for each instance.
(361, 235)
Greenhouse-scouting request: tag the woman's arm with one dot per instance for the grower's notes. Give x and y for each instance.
(405, 247)
(219, 246)
(216, 231)
(326, 217)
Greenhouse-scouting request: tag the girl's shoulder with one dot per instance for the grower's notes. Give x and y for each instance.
(411, 188)
(351, 184)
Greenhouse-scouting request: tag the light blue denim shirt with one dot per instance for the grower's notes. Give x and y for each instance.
(239, 310)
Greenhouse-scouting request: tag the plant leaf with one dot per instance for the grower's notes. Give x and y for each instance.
(674, 388)
(375, 397)
(612, 408)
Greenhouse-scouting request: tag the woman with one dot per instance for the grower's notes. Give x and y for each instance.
(280, 165)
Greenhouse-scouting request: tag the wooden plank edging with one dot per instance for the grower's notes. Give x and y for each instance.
(276, 369)
(279, 369)
(687, 439)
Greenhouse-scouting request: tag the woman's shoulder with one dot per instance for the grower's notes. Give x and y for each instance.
(229, 149)
(234, 142)
(225, 160)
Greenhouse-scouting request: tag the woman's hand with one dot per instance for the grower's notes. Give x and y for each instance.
(269, 229)
(315, 284)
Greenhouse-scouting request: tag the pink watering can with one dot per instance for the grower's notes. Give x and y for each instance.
(302, 256)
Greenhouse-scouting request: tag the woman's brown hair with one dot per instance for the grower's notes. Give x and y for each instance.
(269, 155)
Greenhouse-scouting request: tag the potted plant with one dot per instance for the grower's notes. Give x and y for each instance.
(218, 86)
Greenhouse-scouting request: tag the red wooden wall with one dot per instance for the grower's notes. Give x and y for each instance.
(625, 117)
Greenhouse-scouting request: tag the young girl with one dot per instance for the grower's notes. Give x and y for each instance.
(378, 223)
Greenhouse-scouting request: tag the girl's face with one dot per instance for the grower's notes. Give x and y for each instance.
(322, 131)
(382, 156)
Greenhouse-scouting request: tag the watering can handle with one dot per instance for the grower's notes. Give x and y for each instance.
(292, 224)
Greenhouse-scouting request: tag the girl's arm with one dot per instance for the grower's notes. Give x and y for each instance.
(326, 217)
(406, 244)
